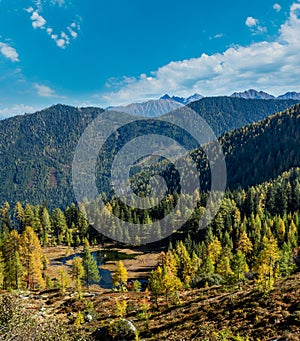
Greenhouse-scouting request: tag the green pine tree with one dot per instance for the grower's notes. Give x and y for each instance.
(91, 271)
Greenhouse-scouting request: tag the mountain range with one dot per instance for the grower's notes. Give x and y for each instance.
(167, 103)
(37, 150)
(254, 94)
(152, 108)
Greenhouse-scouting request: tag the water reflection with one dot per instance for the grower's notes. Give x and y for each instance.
(100, 257)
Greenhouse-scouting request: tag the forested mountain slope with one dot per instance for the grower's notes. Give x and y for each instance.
(263, 150)
(36, 153)
(224, 114)
(36, 150)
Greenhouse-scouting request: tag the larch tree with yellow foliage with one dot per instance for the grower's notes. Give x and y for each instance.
(31, 256)
(120, 276)
(14, 270)
(267, 264)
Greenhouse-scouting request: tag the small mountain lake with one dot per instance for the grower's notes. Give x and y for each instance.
(102, 256)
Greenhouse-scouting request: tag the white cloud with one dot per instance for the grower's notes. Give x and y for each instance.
(29, 10)
(73, 33)
(38, 4)
(44, 91)
(37, 20)
(58, 2)
(218, 36)
(250, 22)
(254, 26)
(270, 66)
(15, 109)
(65, 37)
(61, 43)
(277, 7)
(9, 52)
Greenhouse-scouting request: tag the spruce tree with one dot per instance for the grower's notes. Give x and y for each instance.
(91, 271)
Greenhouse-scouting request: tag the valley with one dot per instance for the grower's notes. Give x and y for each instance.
(236, 279)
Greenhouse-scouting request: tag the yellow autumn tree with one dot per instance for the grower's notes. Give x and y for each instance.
(214, 250)
(120, 276)
(31, 256)
(77, 273)
(244, 244)
(163, 281)
(13, 271)
(267, 264)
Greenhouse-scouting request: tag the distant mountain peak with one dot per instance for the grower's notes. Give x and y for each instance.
(165, 96)
(182, 100)
(252, 94)
(150, 108)
(290, 95)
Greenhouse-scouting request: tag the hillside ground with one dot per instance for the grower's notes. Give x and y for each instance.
(198, 314)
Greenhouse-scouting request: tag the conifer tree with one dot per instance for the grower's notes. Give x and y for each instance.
(77, 273)
(13, 271)
(171, 260)
(31, 256)
(292, 235)
(91, 271)
(5, 223)
(239, 267)
(280, 230)
(46, 226)
(163, 281)
(286, 263)
(185, 266)
(244, 244)
(170, 282)
(63, 280)
(267, 264)
(223, 266)
(59, 225)
(155, 283)
(19, 215)
(207, 266)
(1, 271)
(31, 218)
(214, 250)
(120, 276)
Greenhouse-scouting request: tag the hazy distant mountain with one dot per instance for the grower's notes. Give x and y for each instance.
(158, 107)
(151, 108)
(290, 95)
(253, 94)
(183, 100)
(166, 103)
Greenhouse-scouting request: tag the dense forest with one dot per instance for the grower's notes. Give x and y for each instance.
(253, 239)
(37, 150)
(224, 114)
(247, 223)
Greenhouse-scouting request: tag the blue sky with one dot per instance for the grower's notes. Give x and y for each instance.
(115, 52)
